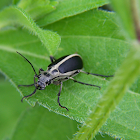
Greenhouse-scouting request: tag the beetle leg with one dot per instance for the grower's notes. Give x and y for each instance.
(52, 59)
(59, 96)
(28, 86)
(96, 74)
(29, 95)
(84, 83)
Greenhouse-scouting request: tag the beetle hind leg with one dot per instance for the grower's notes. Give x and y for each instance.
(59, 96)
(96, 74)
(84, 83)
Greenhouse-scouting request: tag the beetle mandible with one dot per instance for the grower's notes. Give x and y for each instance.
(58, 71)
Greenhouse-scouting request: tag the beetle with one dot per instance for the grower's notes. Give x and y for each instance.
(58, 71)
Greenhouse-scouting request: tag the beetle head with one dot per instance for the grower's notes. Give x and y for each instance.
(44, 79)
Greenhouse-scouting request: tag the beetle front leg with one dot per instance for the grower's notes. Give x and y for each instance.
(59, 96)
(52, 59)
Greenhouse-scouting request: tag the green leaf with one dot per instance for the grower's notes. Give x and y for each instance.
(15, 2)
(37, 9)
(10, 107)
(113, 95)
(4, 3)
(41, 11)
(128, 23)
(38, 123)
(100, 42)
(125, 9)
(14, 15)
(69, 8)
(120, 84)
(30, 4)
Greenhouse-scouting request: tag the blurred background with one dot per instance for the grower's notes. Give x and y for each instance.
(11, 107)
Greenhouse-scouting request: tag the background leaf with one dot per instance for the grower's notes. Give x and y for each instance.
(5, 3)
(14, 15)
(125, 16)
(39, 8)
(81, 39)
(69, 8)
(128, 23)
(44, 123)
(10, 107)
(97, 37)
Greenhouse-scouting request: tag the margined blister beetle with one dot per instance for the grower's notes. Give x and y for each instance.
(58, 71)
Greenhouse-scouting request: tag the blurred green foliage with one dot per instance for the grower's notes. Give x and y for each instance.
(102, 38)
(10, 106)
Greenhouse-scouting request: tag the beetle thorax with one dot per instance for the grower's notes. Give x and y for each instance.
(44, 79)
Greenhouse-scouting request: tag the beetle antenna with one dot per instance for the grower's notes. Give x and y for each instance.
(28, 62)
(29, 95)
(96, 74)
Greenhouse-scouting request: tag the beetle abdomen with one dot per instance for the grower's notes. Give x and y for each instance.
(73, 63)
